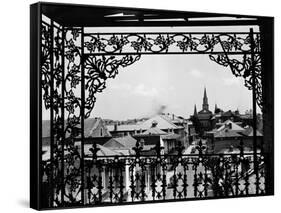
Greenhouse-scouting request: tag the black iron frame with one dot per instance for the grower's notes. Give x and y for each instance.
(88, 64)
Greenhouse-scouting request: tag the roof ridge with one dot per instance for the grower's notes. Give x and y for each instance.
(169, 121)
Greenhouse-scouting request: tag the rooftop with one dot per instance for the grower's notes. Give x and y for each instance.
(163, 122)
(90, 125)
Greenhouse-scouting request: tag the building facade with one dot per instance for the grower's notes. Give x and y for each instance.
(204, 116)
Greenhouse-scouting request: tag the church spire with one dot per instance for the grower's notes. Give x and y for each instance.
(205, 105)
(195, 111)
(205, 93)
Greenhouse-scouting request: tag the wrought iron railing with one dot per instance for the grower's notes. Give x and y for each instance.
(144, 178)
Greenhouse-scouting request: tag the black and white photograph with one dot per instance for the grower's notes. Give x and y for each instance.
(143, 106)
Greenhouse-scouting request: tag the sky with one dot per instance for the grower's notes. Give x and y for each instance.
(174, 81)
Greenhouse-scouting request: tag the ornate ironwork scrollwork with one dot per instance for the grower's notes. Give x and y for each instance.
(97, 70)
(220, 46)
(51, 64)
(180, 42)
(243, 67)
(46, 39)
(133, 178)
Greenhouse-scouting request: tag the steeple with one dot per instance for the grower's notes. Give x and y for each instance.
(205, 93)
(195, 111)
(205, 104)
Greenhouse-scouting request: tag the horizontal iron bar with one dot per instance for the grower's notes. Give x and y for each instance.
(175, 155)
(193, 23)
(134, 202)
(245, 154)
(157, 33)
(170, 53)
(173, 16)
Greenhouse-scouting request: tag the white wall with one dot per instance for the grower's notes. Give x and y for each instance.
(14, 82)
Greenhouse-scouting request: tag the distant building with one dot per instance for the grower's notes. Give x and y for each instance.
(219, 117)
(95, 127)
(123, 145)
(204, 116)
(168, 123)
(122, 130)
(168, 141)
(227, 137)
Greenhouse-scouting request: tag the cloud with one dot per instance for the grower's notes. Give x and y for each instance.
(121, 86)
(142, 90)
(196, 73)
(231, 81)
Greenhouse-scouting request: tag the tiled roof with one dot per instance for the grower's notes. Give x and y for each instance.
(122, 142)
(234, 126)
(228, 129)
(154, 131)
(92, 124)
(124, 127)
(163, 122)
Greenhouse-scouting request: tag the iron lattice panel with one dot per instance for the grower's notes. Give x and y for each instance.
(75, 67)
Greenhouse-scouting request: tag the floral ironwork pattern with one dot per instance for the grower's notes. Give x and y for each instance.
(97, 70)
(221, 48)
(144, 43)
(46, 47)
(72, 105)
(51, 60)
(243, 67)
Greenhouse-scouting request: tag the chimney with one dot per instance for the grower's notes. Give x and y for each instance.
(154, 124)
(173, 116)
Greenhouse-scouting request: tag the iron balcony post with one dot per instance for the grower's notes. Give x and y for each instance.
(53, 166)
(82, 114)
(267, 56)
(62, 117)
(254, 102)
